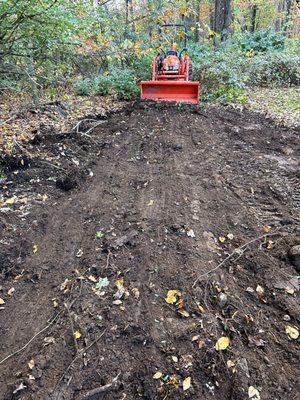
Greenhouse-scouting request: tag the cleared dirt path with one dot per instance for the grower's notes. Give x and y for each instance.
(166, 184)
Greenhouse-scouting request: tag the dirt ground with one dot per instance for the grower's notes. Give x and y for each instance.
(98, 225)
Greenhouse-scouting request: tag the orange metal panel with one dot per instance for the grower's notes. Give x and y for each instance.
(179, 91)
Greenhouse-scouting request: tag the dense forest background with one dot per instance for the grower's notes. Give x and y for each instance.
(102, 47)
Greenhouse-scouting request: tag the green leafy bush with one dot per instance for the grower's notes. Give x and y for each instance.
(273, 69)
(84, 87)
(125, 83)
(103, 85)
(259, 41)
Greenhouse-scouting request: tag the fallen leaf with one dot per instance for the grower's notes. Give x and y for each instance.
(266, 228)
(77, 335)
(270, 245)
(157, 375)
(196, 337)
(31, 364)
(230, 364)
(222, 343)
(184, 313)
(34, 248)
(172, 296)
(292, 332)
(253, 393)
(290, 290)
(100, 234)
(136, 293)
(175, 359)
(1, 302)
(222, 239)
(151, 202)
(11, 291)
(117, 302)
(230, 236)
(200, 308)
(186, 384)
(48, 340)
(190, 233)
(79, 253)
(92, 278)
(55, 303)
(102, 282)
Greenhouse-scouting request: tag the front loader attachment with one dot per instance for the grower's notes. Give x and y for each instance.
(168, 90)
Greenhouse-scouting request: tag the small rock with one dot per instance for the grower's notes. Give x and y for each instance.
(294, 255)
(222, 299)
(286, 317)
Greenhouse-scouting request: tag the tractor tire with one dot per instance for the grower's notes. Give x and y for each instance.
(190, 74)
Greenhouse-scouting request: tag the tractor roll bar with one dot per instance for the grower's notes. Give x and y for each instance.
(169, 25)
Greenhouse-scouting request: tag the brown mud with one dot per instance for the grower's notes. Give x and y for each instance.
(154, 198)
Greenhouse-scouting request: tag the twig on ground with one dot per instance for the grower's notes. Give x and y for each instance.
(239, 250)
(79, 354)
(72, 326)
(93, 127)
(31, 340)
(100, 389)
(80, 122)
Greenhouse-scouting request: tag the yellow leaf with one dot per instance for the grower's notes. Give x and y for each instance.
(175, 359)
(92, 278)
(120, 282)
(222, 343)
(31, 364)
(292, 332)
(266, 228)
(270, 245)
(1, 302)
(184, 313)
(34, 248)
(222, 239)
(172, 296)
(77, 335)
(186, 384)
(11, 291)
(200, 308)
(151, 202)
(157, 375)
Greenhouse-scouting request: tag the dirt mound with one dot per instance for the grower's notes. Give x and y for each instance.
(98, 227)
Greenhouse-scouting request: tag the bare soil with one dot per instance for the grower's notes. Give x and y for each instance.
(153, 199)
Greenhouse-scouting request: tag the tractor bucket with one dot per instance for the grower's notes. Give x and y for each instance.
(179, 91)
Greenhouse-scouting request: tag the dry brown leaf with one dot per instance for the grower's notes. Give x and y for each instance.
(186, 384)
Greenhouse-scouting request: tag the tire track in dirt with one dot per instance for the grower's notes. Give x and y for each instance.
(162, 173)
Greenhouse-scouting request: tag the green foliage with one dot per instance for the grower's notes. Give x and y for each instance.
(103, 85)
(274, 69)
(84, 87)
(125, 83)
(259, 41)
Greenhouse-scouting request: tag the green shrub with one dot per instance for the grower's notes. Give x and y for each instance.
(125, 83)
(84, 87)
(103, 85)
(274, 69)
(259, 41)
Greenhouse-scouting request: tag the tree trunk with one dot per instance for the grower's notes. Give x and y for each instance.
(253, 17)
(222, 17)
(33, 84)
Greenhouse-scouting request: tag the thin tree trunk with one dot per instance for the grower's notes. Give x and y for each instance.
(253, 17)
(222, 17)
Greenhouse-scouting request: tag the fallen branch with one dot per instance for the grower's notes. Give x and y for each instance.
(93, 127)
(100, 389)
(79, 354)
(31, 340)
(239, 250)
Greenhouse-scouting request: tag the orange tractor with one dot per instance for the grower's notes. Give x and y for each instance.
(171, 76)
